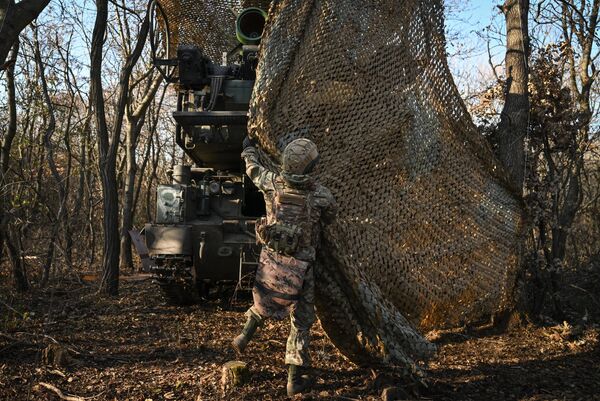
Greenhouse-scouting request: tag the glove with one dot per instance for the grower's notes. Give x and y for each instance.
(248, 142)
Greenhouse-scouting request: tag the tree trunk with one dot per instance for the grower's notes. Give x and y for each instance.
(106, 159)
(48, 145)
(135, 123)
(12, 113)
(565, 217)
(47, 266)
(11, 132)
(514, 119)
(19, 272)
(13, 19)
(131, 166)
(156, 148)
(90, 180)
(108, 146)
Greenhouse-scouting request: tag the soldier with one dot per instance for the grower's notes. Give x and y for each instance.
(297, 206)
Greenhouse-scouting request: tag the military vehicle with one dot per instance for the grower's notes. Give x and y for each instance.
(203, 232)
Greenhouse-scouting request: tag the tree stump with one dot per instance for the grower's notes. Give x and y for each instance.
(56, 355)
(234, 374)
(393, 394)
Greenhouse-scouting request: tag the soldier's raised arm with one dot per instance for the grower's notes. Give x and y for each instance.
(329, 207)
(260, 176)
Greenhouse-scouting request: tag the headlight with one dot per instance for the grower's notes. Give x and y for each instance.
(214, 188)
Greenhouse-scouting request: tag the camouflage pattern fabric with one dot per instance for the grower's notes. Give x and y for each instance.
(301, 320)
(279, 278)
(322, 207)
(299, 157)
(279, 273)
(278, 283)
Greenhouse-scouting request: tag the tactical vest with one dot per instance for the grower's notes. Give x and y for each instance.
(288, 225)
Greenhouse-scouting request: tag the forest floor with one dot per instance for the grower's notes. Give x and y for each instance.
(136, 347)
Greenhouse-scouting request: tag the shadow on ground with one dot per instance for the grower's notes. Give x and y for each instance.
(136, 348)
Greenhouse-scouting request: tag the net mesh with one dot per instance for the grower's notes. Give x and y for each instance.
(209, 24)
(427, 234)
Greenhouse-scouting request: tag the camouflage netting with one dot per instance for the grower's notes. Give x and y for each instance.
(427, 235)
(209, 24)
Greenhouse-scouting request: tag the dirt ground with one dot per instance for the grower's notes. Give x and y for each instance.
(137, 347)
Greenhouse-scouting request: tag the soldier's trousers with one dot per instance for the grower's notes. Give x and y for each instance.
(302, 318)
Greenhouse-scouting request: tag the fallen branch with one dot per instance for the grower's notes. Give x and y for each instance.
(57, 372)
(54, 340)
(275, 342)
(11, 308)
(59, 393)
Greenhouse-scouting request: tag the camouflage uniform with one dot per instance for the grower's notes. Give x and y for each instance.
(289, 280)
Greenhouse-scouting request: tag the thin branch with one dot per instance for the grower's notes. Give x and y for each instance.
(124, 7)
(59, 393)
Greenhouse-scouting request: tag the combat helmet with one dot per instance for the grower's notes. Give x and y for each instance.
(299, 157)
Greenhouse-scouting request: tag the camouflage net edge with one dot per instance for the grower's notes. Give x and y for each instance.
(428, 232)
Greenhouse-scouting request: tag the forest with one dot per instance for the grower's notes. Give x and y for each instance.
(88, 137)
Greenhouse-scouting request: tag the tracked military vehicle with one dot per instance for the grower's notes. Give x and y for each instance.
(203, 231)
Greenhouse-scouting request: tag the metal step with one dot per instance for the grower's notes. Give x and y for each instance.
(193, 118)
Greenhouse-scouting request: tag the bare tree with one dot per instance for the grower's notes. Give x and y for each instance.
(107, 149)
(514, 117)
(136, 117)
(143, 87)
(19, 272)
(579, 22)
(561, 139)
(14, 18)
(108, 143)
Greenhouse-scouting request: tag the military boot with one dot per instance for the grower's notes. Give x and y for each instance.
(240, 342)
(299, 380)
